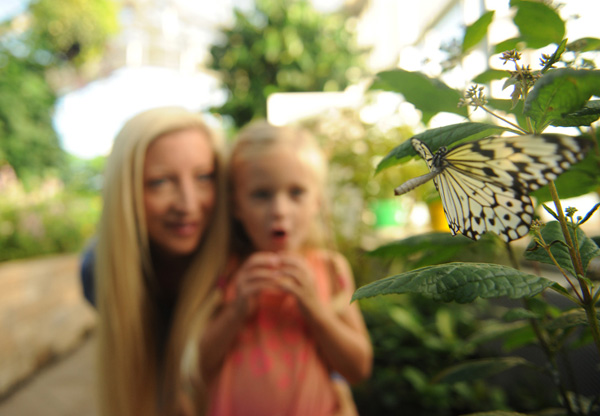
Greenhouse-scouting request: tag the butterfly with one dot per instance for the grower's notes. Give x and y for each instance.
(484, 185)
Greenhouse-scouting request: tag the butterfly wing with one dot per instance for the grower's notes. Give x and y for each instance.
(484, 184)
(474, 207)
(526, 162)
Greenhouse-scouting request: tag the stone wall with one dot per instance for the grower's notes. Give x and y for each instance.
(42, 315)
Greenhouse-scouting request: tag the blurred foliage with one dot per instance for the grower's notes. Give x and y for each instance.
(413, 337)
(83, 176)
(37, 225)
(28, 141)
(283, 46)
(72, 30)
(50, 34)
(352, 147)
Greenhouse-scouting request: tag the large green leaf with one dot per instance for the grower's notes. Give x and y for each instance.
(580, 179)
(569, 319)
(499, 413)
(435, 248)
(460, 282)
(424, 249)
(539, 24)
(584, 45)
(435, 138)
(490, 75)
(584, 117)
(481, 368)
(428, 95)
(492, 331)
(418, 243)
(552, 232)
(509, 44)
(477, 31)
(560, 92)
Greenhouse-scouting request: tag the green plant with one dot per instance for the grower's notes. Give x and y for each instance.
(412, 337)
(559, 94)
(283, 46)
(60, 224)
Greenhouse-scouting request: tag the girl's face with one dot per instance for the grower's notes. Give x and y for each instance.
(179, 190)
(275, 198)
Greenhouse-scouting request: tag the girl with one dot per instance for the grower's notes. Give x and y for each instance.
(286, 322)
(154, 267)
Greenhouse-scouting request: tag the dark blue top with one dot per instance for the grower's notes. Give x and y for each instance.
(87, 273)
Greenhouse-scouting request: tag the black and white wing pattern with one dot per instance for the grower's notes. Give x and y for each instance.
(484, 185)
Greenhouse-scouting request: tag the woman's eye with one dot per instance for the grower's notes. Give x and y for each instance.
(206, 177)
(155, 183)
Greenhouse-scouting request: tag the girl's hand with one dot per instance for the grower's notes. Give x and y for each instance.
(296, 277)
(257, 273)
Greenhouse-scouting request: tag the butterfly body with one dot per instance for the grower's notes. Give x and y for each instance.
(484, 185)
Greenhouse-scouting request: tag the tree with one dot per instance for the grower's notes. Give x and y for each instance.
(50, 34)
(283, 46)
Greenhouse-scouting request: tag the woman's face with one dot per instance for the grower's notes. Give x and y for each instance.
(179, 190)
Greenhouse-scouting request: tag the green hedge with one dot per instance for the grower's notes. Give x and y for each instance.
(57, 225)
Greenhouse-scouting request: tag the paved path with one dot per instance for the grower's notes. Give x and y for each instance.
(64, 388)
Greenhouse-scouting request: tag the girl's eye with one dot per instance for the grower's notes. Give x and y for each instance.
(261, 194)
(297, 192)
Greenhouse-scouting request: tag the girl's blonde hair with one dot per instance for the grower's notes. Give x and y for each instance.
(257, 138)
(134, 379)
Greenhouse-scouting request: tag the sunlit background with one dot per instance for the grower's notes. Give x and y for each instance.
(161, 52)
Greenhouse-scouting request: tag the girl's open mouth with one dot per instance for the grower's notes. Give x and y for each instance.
(278, 235)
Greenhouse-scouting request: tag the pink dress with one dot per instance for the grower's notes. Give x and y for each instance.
(274, 367)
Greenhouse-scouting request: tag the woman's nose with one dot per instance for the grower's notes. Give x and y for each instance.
(186, 198)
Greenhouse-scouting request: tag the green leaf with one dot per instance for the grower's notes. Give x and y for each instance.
(497, 413)
(428, 95)
(555, 56)
(407, 320)
(520, 338)
(552, 232)
(517, 314)
(580, 179)
(490, 75)
(550, 211)
(477, 31)
(508, 45)
(589, 214)
(560, 92)
(435, 138)
(418, 243)
(460, 282)
(481, 368)
(584, 45)
(425, 249)
(539, 24)
(583, 117)
(569, 319)
(493, 331)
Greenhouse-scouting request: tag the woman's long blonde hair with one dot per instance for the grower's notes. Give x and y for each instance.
(133, 380)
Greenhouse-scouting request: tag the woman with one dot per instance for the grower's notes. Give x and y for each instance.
(161, 243)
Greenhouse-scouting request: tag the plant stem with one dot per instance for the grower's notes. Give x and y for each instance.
(503, 119)
(554, 373)
(588, 300)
